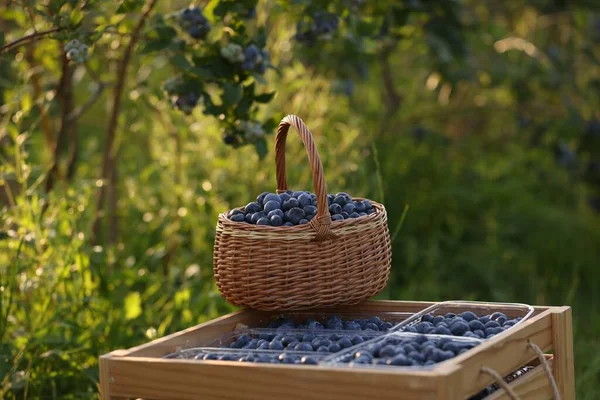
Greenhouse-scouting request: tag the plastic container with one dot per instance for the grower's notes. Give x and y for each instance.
(242, 355)
(309, 341)
(515, 314)
(390, 319)
(402, 350)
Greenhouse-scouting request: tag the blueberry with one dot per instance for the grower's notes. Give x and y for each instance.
(450, 316)
(359, 206)
(263, 221)
(362, 214)
(349, 208)
(410, 329)
(260, 198)
(303, 221)
(262, 359)
(386, 326)
(367, 204)
(307, 360)
(371, 211)
(418, 357)
(468, 316)
(315, 325)
(345, 215)
(345, 343)
(264, 346)
(501, 320)
(256, 216)
(485, 319)
(303, 347)
(357, 340)
(252, 208)
(253, 344)
(407, 348)
(238, 218)
(289, 204)
(493, 331)
(304, 200)
(421, 327)
(322, 349)
(427, 318)
(340, 200)
(266, 336)
(497, 315)
(372, 327)
(335, 209)
(459, 328)
(429, 362)
(288, 224)
(400, 360)
(326, 342)
(297, 194)
(508, 323)
(442, 330)
(363, 354)
(308, 338)
(276, 345)
(294, 215)
(284, 197)
(354, 215)
(471, 335)
(286, 359)
(286, 340)
(438, 355)
(248, 218)
(291, 346)
(476, 325)
(437, 319)
(451, 346)
(334, 348)
(492, 324)
(244, 339)
(272, 205)
(480, 333)
(276, 220)
(275, 212)
(228, 357)
(387, 351)
(310, 210)
(351, 326)
(457, 319)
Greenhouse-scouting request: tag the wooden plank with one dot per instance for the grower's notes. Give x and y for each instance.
(562, 338)
(534, 385)
(505, 353)
(184, 379)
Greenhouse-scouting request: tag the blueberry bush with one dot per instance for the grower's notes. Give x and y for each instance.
(126, 127)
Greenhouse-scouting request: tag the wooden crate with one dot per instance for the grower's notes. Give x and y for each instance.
(140, 372)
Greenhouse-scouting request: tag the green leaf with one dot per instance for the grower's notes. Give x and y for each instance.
(261, 148)
(180, 61)
(128, 6)
(133, 305)
(265, 97)
(232, 94)
(76, 17)
(155, 45)
(243, 107)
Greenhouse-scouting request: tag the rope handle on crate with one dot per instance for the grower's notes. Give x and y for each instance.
(321, 223)
(509, 391)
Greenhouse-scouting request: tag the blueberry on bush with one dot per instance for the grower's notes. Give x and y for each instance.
(193, 21)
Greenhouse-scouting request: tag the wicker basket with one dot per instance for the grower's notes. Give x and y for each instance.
(319, 264)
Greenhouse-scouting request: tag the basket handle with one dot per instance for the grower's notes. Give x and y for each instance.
(321, 223)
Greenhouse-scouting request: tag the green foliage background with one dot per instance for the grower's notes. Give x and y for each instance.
(483, 122)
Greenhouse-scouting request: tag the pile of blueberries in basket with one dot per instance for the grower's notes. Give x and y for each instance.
(418, 350)
(292, 208)
(465, 324)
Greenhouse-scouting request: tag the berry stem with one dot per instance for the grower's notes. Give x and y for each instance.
(33, 36)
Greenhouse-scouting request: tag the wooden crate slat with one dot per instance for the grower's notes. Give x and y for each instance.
(182, 379)
(562, 331)
(505, 353)
(534, 385)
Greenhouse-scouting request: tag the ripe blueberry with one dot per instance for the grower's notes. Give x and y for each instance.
(272, 205)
